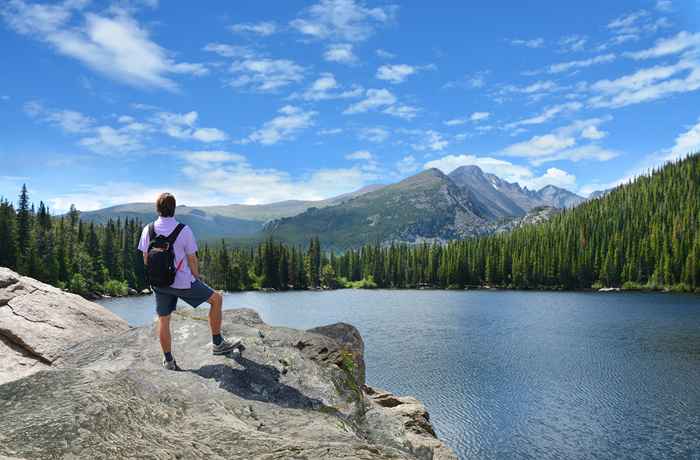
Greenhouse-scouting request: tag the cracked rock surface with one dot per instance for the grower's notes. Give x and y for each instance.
(38, 323)
(291, 394)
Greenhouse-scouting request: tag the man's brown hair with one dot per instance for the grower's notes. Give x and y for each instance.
(165, 205)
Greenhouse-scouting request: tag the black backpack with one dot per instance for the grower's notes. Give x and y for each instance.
(161, 268)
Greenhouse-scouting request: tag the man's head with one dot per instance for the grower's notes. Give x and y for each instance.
(165, 205)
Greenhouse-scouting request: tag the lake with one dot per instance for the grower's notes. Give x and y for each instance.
(513, 374)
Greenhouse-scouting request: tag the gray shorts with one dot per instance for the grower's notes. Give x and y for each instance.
(166, 298)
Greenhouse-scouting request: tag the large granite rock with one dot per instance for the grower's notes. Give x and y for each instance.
(292, 394)
(38, 323)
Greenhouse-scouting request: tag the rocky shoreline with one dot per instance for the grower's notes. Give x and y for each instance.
(77, 381)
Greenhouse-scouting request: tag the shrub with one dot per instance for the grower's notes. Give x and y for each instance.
(78, 284)
(116, 288)
(365, 283)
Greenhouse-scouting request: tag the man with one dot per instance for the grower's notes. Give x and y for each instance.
(186, 286)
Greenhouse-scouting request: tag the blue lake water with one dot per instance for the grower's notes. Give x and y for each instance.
(512, 374)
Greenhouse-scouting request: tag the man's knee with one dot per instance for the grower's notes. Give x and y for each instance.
(216, 299)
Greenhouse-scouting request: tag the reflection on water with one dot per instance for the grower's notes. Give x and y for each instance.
(519, 374)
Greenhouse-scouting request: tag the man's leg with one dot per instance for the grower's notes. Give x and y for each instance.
(216, 301)
(164, 334)
(220, 345)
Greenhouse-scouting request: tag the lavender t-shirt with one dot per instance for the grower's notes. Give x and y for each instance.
(184, 245)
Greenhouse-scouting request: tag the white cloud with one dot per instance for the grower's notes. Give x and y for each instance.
(106, 140)
(237, 181)
(430, 140)
(566, 66)
(505, 170)
(374, 99)
(455, 122)
(326, 87)
(374, 134)
(667, 46)
(407, 112)
(182, 126)
(407, 165)
(212, 156)
(647, 84)
(398, 73)
(627, 23)
(100, 139)
(329, 131)
(359, 155)
(264, 28)
(340, 52)
(532, 43)
(473, 81)
(284, 126)
(547, 114)
(69, 121)
(573, 43)
(687, 142)
(475, 117)
(383, 54)
(562, 144)
(664, 6)
(231, 51)
(116, 46)
(264, 74)
(343, 20)
(478, 116)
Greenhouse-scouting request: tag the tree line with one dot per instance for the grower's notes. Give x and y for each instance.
(641, 235)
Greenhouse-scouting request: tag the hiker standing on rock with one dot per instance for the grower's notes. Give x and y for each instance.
(170, 254)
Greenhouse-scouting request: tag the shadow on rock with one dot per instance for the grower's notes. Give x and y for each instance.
(257, 382)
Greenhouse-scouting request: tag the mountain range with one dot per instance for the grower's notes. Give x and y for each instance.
(429, 206)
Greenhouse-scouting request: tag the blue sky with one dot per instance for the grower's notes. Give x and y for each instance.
(254, 102)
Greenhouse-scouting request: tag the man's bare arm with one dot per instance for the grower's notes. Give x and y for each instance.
(194, 264)
(145, 258)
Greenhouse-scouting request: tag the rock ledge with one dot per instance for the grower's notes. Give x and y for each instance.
(291, 394)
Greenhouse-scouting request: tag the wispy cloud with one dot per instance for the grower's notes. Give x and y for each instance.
(472, 81)
(683, 41)
(398, 73)
(572, 43)
(531, 43)
(115, 45)
(285, 126)
(374, 99)
(264, 28)
(581, 63)
(547, 114)
(647, 84)
(183, 126)
(327, 87)
(564, 143)
(342, 20)
(235, 179)
(257, 72)
(384, 54)
(340, 52)
(475, 117)
(374, 134)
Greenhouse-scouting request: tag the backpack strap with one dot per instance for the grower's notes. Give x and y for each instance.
(151, 231)
(173, 236)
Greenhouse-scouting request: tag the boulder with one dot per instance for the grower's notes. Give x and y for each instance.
(290, 394)
(38, 323)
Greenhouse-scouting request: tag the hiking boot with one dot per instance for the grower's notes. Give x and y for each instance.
(171, 365)
(226, 346)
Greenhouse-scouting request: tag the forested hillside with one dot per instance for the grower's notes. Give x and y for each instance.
(640, 235)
